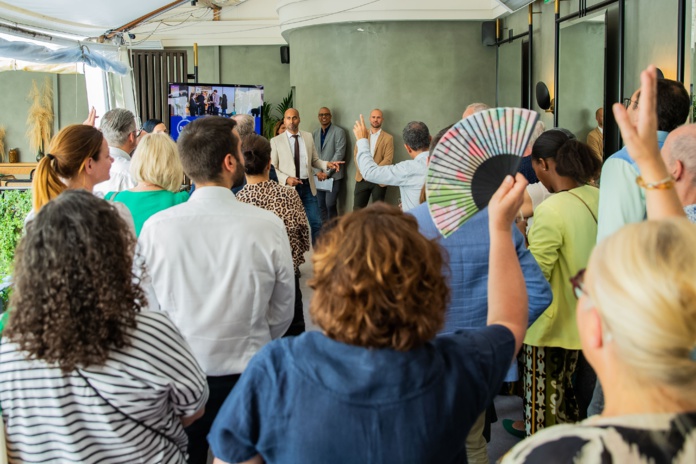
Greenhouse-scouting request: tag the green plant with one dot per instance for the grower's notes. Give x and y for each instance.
(14, 207)
(270, 118)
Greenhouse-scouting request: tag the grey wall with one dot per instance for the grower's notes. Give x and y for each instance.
(581, 76)
(543, 49)
(253, 65)
(510, 74)
(69, 105)
(650, 37)
(427, 71)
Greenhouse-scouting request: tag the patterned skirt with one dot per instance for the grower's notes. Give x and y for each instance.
(549, 397)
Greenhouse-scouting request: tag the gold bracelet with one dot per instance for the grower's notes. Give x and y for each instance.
(664, 184)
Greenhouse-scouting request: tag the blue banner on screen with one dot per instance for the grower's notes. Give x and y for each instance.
(192, 101)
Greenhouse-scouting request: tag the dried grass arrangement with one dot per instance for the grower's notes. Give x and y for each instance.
(40, 117)
(2, 144)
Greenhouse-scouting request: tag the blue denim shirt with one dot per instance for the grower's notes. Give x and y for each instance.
(468, 271)
(311, 399)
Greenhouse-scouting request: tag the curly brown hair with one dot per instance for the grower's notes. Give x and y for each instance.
(378, 283)
(75, 294)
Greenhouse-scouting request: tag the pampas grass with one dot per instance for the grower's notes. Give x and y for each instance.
(40, 116)
(2, 144)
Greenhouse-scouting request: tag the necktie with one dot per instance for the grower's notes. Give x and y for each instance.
(297, 155)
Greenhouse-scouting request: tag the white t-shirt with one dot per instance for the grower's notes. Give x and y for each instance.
(57, 417)
(120, 177)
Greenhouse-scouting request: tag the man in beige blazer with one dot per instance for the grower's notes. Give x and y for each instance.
(382, 148)
(293, 155)
(595, 139)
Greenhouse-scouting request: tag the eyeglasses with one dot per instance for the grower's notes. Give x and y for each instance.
(324, 115)
(137, 132)
(578, 283)
(627, 103)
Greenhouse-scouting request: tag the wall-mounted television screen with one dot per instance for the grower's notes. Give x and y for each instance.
(192, 101)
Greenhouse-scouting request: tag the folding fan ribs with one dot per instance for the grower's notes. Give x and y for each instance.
(471, 161)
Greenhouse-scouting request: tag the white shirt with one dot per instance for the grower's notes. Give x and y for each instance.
(373, 140)
(408, 175)
(223, 271)
(121, 178)
(538, 193)
(303, 153)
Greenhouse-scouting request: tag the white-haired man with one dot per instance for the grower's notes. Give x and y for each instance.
(121, 134)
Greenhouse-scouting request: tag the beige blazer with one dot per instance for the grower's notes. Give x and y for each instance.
(595, 139)
(383, 155)
(283, 158)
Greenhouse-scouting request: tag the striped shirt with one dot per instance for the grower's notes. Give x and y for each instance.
(55, 417)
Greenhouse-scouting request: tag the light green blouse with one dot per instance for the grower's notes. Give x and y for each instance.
(142, 205)
(561, 240)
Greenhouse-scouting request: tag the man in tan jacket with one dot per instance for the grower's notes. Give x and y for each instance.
(382, 148)
(595, 139)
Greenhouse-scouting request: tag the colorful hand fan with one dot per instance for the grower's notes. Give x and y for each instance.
(471, 161)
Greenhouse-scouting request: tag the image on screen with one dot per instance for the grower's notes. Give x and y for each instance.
(192, 101)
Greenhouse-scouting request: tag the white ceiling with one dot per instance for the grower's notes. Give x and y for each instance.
(76, 17)
(241, 22)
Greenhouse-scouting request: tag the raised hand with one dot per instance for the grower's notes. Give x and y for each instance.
(91, 118)
(505, 204)
(641, 137)
(661, 199)
(360, 129)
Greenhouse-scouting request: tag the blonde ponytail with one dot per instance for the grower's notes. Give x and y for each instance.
(46, 184)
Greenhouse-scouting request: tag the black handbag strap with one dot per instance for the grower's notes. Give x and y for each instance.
(128, 416)
(586, 206)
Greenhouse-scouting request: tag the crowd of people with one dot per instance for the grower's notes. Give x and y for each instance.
(205, 102)
(150, 324)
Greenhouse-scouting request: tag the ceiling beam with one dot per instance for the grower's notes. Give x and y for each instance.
(136, 22)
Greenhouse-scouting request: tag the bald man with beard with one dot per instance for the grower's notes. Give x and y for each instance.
(382, 149)
(595, 139)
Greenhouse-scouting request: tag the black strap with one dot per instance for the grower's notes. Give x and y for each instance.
(131, 418)
(586, 205)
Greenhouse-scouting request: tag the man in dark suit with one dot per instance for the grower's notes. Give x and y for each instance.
(330, 141)
(193, 106)
(200, 101)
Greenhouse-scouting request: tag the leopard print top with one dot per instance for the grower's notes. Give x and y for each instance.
(286, 204)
